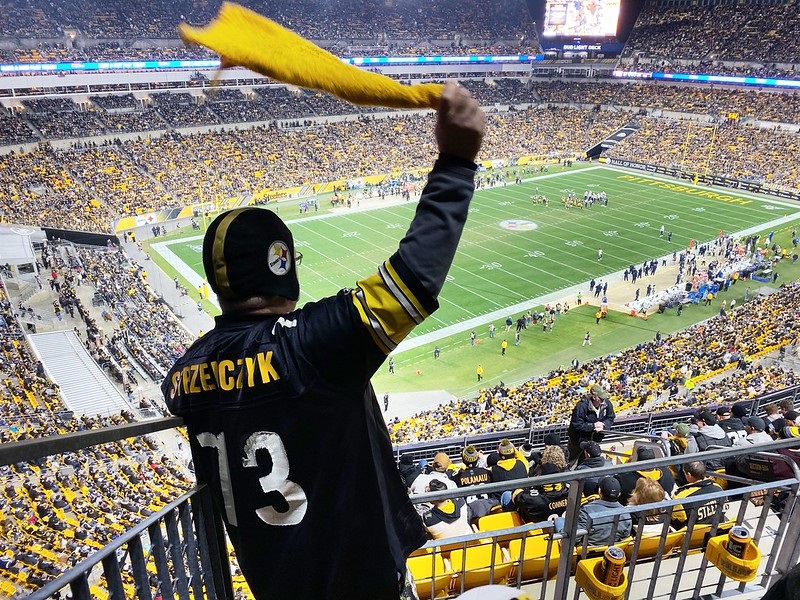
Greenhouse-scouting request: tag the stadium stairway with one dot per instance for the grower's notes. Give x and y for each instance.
(84, 387)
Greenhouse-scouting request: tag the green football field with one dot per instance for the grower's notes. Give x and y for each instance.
(515, 255)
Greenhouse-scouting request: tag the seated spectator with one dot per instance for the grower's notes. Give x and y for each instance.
(553, 453)
(601, 529)
(474, 474)
(628, 481)
(438, 470)
(754, 428)
(508, 468)
(541, 501)
(446, 518)
(731, 425)
(707, 433)
(680, 440)
(648, 491)
(409, 470)
(593, 459)
(773, 419)
(697, 485)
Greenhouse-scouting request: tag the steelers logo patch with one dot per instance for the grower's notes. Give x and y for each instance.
(279, 259)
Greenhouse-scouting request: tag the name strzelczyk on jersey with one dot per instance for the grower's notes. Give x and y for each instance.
(226, 375)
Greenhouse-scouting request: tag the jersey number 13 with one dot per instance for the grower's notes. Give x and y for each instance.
(277, 481)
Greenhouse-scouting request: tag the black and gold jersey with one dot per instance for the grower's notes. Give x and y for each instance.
(286, 430)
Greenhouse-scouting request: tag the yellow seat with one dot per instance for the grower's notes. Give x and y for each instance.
(532, 563)
(446, 549)
(421, 552)
(502, 520)
(479, 565)
(430, 574)
(98, 593)
(702, 532)
(8, 589)
(648, 546)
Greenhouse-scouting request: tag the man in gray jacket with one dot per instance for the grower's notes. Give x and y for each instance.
(708, 433)
(601, 529)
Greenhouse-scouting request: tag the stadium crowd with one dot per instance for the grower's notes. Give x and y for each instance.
(168, 170)
(652, 374)
(749, 33)
(94, 185)
(705, 100)
(318, 20)
(57, 510)
(61, 508)
(729, 149)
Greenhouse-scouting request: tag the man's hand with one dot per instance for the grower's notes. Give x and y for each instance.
(598, 426)
(460, 124)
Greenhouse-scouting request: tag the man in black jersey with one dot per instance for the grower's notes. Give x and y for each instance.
(273, 388)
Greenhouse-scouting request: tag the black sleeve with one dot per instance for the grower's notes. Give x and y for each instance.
(391, 302)
(430, 244)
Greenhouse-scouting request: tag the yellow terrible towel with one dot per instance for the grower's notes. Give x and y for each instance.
(244, 38)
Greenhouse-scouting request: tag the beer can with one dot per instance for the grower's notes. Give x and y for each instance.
(738, 538)
(612, 566)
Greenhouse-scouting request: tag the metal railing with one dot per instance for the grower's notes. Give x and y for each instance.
(666, 557)
(633, 424)
(181, 550)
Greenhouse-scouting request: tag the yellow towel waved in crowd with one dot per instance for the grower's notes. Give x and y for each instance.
(244, 38)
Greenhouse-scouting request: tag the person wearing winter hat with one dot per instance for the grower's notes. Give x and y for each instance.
(272, 388)
(474, 474)
(508, 468)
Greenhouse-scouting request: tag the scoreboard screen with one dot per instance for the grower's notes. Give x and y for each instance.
(581, 18)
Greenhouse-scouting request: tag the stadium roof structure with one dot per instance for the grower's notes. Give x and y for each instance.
(16, 247)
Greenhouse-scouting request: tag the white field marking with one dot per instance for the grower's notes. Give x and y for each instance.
(615, 277)
(163, 249)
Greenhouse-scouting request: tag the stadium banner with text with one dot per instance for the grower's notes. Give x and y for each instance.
(699, 178)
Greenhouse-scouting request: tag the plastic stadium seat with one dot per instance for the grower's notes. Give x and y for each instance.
(99, 593)
(702, 532)
(498, 521)
(473, 566)
(431, 575)
(533, 561)
(8, 589)
(648, 547)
